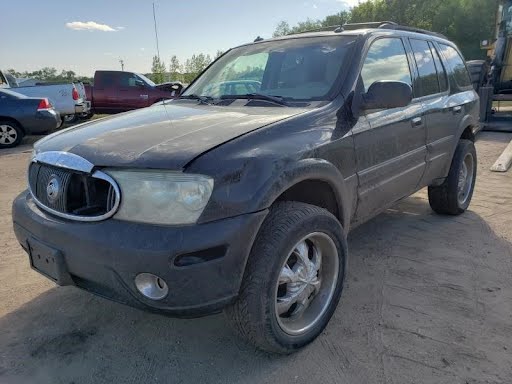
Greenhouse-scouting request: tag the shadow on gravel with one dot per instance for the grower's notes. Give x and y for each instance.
(70, 336)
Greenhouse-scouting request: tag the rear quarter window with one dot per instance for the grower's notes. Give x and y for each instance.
(456, 63)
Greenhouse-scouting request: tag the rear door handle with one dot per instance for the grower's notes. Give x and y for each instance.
(417, 121)
(457, 109)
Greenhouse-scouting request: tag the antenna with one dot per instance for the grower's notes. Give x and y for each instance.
(156, 33)
(121, 61)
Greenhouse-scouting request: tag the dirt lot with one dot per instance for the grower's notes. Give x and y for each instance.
(428, 300)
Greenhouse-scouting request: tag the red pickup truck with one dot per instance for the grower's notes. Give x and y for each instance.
(119, 91)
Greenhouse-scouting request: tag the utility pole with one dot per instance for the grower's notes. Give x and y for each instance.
(156, 33)
(121, 61)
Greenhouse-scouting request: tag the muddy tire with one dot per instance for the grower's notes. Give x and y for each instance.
(293, 279)
(454, 195)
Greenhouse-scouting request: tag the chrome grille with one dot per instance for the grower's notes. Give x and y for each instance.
(40, 176)
(73, 194)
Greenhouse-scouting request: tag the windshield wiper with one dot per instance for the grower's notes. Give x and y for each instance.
(258, 96)
(202, 99)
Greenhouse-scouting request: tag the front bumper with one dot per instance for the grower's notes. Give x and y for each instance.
(105, 257)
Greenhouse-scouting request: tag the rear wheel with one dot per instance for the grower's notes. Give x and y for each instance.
(293, 279)
(10, 134)
(454, 195)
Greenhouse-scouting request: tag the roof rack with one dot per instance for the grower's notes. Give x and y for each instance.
(390, 25)
(371, 24)
(333, 28)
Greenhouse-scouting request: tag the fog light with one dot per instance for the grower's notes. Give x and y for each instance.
(151, 286)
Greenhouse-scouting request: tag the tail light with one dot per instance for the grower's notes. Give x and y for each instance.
(75, 94)
(44, 105)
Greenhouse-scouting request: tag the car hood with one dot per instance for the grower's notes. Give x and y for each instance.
(163, 136)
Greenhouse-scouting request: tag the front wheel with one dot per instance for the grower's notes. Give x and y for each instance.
(454, 195)
(293, 279)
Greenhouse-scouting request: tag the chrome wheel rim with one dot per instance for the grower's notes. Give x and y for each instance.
(306, 283)
(466, 174)
(8, 134)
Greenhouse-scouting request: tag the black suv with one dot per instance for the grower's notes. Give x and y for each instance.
(239, 195)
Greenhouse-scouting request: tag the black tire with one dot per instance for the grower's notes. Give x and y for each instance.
(86, 116)
(446, 199)
(11, 134)
(70, 119)
(254, 315)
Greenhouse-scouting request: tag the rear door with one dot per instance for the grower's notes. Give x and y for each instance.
(391, 151)
(461, 100)
(431, 88)
(104, 91)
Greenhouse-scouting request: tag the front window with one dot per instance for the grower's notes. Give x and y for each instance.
(386, 60)
(302, 69)
(146, 80)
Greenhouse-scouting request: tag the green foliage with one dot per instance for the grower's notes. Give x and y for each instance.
(158, 70)
(466, 22)
(50, 74)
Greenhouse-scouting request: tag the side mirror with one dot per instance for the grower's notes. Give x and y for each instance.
(140, 83)
(387, 94)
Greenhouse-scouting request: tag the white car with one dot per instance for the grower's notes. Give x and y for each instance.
(67, 99)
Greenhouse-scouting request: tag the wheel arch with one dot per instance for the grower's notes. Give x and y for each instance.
(13, 120)
(297, 181)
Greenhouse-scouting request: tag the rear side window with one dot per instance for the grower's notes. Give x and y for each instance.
(107, 80)
(456, 63)
(386, 60)
(428, 83)
(443, 79)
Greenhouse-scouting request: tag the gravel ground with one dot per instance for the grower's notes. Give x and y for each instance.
(428, 300)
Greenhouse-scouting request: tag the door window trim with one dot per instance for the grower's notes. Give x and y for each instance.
(433, 95)
(406, 51)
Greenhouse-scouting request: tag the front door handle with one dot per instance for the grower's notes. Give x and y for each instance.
(457, 109)
(417, 121)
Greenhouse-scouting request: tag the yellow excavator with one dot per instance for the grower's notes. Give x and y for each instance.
(492, 78)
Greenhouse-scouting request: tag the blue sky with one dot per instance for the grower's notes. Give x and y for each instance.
(84, 35)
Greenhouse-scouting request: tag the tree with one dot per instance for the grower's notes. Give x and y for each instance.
(218, 54)
(282, 29)
(175, 69)
(158, 70)
(340, 18)
(466, 22)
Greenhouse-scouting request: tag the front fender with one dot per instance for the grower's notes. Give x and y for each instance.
(256, 185)
(309, 169)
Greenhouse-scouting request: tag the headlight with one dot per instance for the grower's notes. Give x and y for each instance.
(161, 197)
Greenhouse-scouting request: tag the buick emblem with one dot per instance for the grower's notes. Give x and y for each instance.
(53, 188)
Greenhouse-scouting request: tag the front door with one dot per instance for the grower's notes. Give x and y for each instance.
(133, 93)
(391, 149)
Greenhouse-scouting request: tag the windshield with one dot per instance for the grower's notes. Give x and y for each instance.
(294, 69)
(146, 80)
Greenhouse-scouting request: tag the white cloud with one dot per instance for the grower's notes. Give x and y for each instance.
(349, 3)
(90, 26)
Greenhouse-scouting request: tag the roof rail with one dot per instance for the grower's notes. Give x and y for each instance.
(333, 28)
(371, 24)
(416, 30)
(390, 25)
